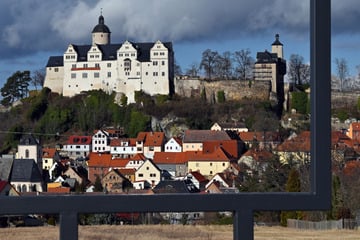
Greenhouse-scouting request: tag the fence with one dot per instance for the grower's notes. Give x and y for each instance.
(242, 205)
(322, 225)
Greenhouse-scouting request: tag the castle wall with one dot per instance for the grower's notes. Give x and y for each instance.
(233, 89)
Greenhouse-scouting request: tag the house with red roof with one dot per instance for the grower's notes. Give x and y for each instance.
(149, 172)
(208, 164)
(173, 162)
(49, 157)
(265, 139)
(153, 142)
(78, 146)
(123, 147)
(255, 160)
(295, 149)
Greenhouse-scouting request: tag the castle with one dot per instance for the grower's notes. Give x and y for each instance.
(121, 68)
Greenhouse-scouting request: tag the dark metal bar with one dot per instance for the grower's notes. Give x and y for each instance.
(69, 225)
(243, 225)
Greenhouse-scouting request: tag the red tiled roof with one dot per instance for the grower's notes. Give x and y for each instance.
(229, 146)
(299, 143)
(259, 136)
(258, 155)
(79, 140)
(170, 158)
(217, 155)
(48, 152)
(127, 171)
(154, 139)
(199, 176)
(116, 142)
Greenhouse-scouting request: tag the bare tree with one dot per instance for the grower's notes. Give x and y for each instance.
(38, 78)
(342, 71)
(244, 63)
(208, 62)
(193, 70)
(298, 72)
(223, 66)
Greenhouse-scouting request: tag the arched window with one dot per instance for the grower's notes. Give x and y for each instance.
(23, 188)
(127, 64)
(18, 188)
(27, 153)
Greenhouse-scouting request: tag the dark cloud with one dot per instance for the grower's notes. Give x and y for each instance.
(29, 26)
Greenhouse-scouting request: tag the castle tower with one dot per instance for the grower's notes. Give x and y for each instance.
(101, 32)
(277, 47)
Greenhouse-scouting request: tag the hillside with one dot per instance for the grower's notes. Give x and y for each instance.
(52, 118)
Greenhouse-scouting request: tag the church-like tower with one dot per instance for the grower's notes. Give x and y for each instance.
(277, 47)
(101, 33)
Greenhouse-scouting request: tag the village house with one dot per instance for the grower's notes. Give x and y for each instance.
(255, 161)
(149, 172)
(295, 149)
(266, 139)
(49, 157)
(78, 146)
(174, 144)
(115, 182)
(173, 162)
(123, 147)
(237, 127)
(193, 139)
(153, 142)
(197, 179)
(208, 164)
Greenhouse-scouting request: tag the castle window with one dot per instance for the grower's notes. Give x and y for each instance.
(108, 65)
(156, 53)
(163, 63)
(155, 63)
(163, 74)
(73, 75)
(84, 75)
(96, 75)
(97, 65)
(27, 153)
(109, 74)
(85, 65)
(73, 66)
(155, 74)
(162, 53)
(56, 69)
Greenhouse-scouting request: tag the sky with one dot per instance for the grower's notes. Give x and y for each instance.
(33, 30)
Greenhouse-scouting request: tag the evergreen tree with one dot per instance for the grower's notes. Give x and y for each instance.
(292, 185)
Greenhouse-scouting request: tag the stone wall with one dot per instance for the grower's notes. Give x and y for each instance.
(344, 99)
(233, 89)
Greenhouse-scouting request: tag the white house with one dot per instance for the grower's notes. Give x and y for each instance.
(100, 141)
(122, 68)
(148, 171)
(78, 146)
(173, 145)
(123, 147)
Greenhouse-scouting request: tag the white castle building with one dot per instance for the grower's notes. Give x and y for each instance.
(121, 68)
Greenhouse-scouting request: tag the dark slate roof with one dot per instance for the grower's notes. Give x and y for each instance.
(101, 27)
(266, 57)
(28, 139)
(277, 42)
(5, 168)
(109, 52)
(55, 61)
(172, 186)
(25, 170)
